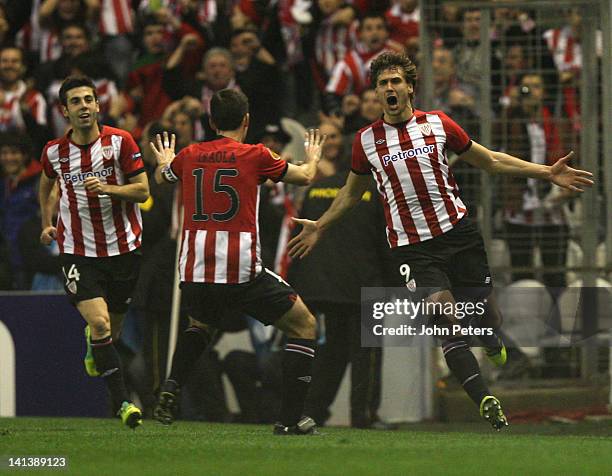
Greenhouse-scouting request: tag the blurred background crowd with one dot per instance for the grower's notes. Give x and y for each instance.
(301, 63)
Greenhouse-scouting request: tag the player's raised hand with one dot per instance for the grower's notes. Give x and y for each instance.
(164, 151)
(564, 176)
(301, 245)
(313, 144)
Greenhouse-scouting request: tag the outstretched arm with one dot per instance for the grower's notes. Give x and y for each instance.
(560, 173)
(305, 173)
(347, 198)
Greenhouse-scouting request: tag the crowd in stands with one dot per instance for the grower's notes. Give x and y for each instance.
(301, 63)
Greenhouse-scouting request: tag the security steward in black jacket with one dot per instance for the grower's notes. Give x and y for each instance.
(351, 255)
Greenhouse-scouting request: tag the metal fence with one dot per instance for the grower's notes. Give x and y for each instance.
(533, 79)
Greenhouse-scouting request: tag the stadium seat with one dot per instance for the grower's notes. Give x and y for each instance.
(571, 322)
(526, 306)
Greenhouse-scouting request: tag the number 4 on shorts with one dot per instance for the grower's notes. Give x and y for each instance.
(73, 273)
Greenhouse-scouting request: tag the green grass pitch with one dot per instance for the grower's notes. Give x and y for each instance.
(105, 447)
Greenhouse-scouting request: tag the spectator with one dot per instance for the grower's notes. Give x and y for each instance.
(19, 200)
(42, 34)
(533, 212)
(403, 18)
(330, 279)
(564, 45)
(116, 24)
(258, 77)
(275, 205)
(468, 56)
(335, 34)
(5, 27)
(351, 75)
(75, 40)
(181, 38)
(521, 47)
(145, 79)
(217, 73)
(448, 26)
(21, 107)
(367, 111)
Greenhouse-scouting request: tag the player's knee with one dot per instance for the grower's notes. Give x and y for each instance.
(309, 326)
(100, 327)
(299, 325)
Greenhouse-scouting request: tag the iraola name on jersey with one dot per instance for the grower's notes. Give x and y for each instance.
(220, 183)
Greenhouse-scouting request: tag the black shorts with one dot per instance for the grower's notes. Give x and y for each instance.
(112, 278)
(267, 298)
(455, 261)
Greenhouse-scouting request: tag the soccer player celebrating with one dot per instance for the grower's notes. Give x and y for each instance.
(434, 243)
(220, 264)
(101, 180)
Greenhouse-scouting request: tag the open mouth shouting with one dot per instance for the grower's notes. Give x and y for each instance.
(392, 102)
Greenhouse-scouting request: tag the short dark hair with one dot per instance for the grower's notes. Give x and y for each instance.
(150, 20)
(393, 60)
(373, 15)
(72, 82)
(75, 24)
(227, 109)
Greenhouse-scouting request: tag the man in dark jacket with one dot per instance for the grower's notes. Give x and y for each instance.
(330, 281)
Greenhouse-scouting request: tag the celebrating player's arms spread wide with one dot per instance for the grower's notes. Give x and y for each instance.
(427, 227)
(101, 179)
(220, 263)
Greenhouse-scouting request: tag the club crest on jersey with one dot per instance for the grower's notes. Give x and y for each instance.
(425, 128)
(107, 151)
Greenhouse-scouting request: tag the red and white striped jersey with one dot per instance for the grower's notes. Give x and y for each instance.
(408, 160)
(88, 224)
(352, 74)
(44, 41)
(220, 181)
(402, 25)
(332, 43)
(115, 17)
(11, 116)
(33, 38)
(565, 48)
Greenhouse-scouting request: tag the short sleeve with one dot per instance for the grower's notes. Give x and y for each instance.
(130, 157)
(46, 164)
(271, 166)
(360, 164)
(456, 138)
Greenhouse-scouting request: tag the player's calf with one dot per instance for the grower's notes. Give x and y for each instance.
(300, 327)
(190, 346)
